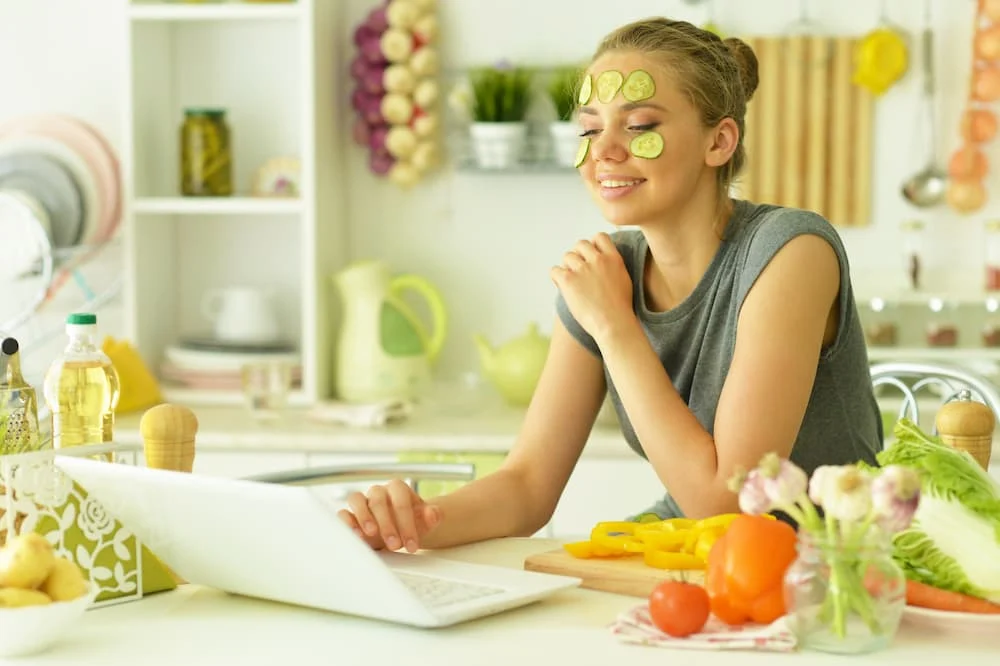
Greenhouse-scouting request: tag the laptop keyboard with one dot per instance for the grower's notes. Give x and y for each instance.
(436, 592)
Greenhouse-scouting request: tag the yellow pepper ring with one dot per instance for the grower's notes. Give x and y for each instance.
(664, 560)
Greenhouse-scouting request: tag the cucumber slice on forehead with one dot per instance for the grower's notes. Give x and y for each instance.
(586, 89)
(581, 152)
(608, 85)
(638, 86)
(647, 145)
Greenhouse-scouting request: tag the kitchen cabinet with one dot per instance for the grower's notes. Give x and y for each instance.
(270, 67)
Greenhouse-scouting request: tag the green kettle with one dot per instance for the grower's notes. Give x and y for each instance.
(384, 351)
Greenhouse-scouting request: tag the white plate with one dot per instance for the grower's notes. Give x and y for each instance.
(76, 165)
(951, 621)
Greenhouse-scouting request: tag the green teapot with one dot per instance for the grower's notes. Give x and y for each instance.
(515, 367)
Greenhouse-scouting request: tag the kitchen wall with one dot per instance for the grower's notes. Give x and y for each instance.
(488, 240)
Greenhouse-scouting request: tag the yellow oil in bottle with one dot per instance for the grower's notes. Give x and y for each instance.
(81, 389)
(82, 396)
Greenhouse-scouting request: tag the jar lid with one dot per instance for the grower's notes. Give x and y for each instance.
(212, 112)
(81, 319)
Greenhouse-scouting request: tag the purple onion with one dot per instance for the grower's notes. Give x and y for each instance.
(359, 100)
(360, 68)
(376, 137)
(364, 33)
(377, 21)
(372, 82)
(361, 132)
(381, 164)
(372, 52)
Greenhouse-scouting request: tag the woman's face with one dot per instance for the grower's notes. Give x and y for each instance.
(636, 190)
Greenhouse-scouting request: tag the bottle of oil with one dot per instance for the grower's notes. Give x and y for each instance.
(81, 388)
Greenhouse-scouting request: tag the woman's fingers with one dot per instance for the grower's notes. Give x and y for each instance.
(404, 503)
(380, 505)
(573, 261)
(366, 521)
(587, 250)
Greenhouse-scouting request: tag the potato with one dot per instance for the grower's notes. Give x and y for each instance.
(26, 561)
(66, 581)
(14, 597)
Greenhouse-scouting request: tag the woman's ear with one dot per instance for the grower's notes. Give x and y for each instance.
(725, 137)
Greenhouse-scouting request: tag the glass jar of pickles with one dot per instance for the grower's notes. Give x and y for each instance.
(206, 154)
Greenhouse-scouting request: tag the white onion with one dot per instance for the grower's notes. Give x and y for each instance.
(425, 61)
(425, 156)
(404, 175)
(397, 45)
(426, 125)
(426, 28)
(396, 109)
(402, 14)
(401, 142)
(399, 79)
(426, 93)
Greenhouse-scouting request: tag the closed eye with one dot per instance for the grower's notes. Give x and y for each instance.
(632, 128)
(590, 132)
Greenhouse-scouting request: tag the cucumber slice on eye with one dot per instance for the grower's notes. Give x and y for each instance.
(586, 89)
(647, 145)
(581, 153)
(608, 85)
(638, 86)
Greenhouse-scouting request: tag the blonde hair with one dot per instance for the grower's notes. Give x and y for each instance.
(719, 76)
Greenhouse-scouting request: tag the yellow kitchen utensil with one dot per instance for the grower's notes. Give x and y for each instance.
(139, 388)
(881, 58)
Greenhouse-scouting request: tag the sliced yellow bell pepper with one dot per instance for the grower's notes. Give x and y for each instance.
(722, 520)
(663, 560)
(660, 540)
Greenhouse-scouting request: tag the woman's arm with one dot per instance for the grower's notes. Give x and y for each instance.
(520, 497)
(778, 342)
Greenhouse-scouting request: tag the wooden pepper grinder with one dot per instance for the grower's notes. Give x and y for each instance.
(168, 433)
(966, 424)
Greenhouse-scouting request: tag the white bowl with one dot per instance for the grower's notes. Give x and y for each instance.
(31, 629)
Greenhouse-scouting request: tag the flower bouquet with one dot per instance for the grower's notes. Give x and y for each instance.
(844, 593)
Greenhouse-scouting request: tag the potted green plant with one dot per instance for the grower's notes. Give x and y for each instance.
(563, 87)
(500, 98)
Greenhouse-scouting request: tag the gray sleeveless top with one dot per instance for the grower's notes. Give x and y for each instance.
(696, 339)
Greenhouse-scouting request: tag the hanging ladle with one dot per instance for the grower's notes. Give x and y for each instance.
(927, 187)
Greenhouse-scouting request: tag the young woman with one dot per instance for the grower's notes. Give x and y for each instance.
(721, 329)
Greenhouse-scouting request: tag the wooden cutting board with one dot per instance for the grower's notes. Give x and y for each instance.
(629, 576)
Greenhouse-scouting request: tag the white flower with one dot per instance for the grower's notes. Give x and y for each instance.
(844, 493)
(94, 520)
(460, 100)
(895, 497)
(782, 481)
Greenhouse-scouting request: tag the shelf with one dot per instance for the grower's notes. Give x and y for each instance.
(963, 297)
(190, 397)
(232, 11)
(876, 353)
(217, 206)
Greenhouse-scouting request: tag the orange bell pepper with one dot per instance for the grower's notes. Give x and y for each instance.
(746, 569)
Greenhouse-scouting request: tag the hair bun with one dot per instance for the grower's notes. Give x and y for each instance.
(747, 61)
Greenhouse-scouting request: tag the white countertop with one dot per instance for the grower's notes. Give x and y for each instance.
(196, 625)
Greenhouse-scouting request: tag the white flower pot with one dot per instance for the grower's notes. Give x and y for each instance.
(565, 142)
(498, 145)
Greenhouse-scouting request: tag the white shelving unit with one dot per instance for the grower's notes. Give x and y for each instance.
(272, 67)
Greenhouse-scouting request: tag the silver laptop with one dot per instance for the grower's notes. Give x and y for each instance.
(286, 544)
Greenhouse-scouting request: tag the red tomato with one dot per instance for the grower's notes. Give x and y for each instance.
(679, 609)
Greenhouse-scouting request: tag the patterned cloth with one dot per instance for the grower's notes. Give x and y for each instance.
(635, 626)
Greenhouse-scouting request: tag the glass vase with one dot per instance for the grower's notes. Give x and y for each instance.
(844, 593)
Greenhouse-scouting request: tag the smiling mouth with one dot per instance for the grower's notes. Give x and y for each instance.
(620, 183)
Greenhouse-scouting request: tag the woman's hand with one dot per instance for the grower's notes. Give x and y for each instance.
(392, 516)
(596, 286)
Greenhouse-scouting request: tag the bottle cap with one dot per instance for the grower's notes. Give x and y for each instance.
(81, 319)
